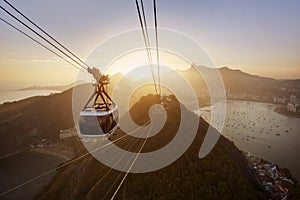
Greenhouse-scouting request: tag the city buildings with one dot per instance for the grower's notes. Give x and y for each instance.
(293, 105)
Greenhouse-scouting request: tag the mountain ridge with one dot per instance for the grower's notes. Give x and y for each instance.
(222, 174)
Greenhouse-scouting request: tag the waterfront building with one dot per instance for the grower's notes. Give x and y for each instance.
(293, 99)
(291, 107)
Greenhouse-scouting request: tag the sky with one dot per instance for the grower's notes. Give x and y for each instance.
(257, 37)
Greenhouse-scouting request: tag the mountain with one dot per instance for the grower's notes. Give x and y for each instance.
(223, 174)
(34, 118)
(237, 81)
(238, 84)
(27, 120)
(29, 124)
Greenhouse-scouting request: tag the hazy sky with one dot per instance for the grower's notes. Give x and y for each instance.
(258, 37)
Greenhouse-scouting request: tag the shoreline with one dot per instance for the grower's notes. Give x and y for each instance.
(57, 150)
(282, 111)
(275, 180)
(31, 170)
(12, 154)
(243, 144)
(279, 108)
(11, 96)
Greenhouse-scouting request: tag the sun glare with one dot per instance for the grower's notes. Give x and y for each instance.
(135, 59)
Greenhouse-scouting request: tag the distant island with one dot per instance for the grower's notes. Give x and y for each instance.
(51, 87)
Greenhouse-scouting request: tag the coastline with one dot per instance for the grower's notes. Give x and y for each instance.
(12, 96)
(281, 109)
(11, 154)
(57, 150)
(23, 173)
(276, 131)
(276, 181)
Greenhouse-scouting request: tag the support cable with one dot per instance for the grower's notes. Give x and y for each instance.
(156, 38)
(20, 21)
(146, 43)
(60, 44)
(19, 30)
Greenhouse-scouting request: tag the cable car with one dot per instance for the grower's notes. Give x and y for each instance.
(101, 117)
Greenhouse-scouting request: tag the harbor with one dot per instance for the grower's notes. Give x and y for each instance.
(256, 128)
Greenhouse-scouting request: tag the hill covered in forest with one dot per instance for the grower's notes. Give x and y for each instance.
(34, 118)
(223, 174)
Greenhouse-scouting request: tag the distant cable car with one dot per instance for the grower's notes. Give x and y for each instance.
(101, 117)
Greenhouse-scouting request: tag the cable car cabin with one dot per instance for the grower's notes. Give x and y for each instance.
(98, 121)
(100, 118)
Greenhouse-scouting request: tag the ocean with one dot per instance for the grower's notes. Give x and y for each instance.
(17, 169)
